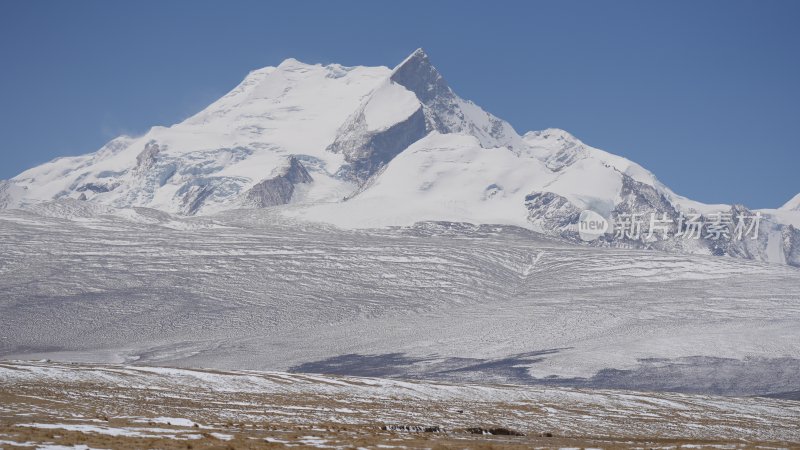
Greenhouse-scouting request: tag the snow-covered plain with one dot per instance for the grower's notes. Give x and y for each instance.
(251, 290)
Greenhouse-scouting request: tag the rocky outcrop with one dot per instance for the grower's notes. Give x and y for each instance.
(147, 158)
(553, 213)
(771, 242)
(97, 188)
(279, 189)
(643, 199)
(194, 197)
(791, 245)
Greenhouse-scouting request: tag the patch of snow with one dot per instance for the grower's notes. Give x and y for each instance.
(388, 105)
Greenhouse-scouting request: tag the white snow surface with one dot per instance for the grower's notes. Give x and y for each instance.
(441, 177)
(388, 105)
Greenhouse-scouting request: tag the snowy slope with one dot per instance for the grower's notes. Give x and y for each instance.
(542, 186)
(793, 204)
(453, 177)
(440, 177)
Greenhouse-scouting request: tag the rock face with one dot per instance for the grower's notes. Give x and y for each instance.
(447, 113)
(772, 241)
(791, 244)
(278, 190)
(555, 214)
(367, 152)
(147, 159)
(194, 197)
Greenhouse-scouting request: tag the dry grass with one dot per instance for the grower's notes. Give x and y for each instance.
(245, 420)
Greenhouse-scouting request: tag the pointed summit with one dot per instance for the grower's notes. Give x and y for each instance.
(418, 54)
(417, 75)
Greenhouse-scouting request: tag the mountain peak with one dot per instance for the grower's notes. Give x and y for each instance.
(291, 62)
(555, 134)
(417, 75)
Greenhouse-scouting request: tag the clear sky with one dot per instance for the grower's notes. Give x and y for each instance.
(706, 94)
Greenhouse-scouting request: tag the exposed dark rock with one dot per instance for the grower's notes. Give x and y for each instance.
(413, 428)
(497, 431)
(147, 158)
(791, 239)
(419, 76)
(97, 188)
(442, 107)
(640, 198)
(553, 212)
(279, 189)
(194, 197)
(377, 149)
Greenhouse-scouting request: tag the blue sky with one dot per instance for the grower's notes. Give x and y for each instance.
(706, 94)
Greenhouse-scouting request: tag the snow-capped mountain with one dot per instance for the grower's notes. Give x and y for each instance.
(212, 160)
(372, 147)
(338, 124)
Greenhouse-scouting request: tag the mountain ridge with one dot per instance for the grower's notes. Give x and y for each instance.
(373, 146)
